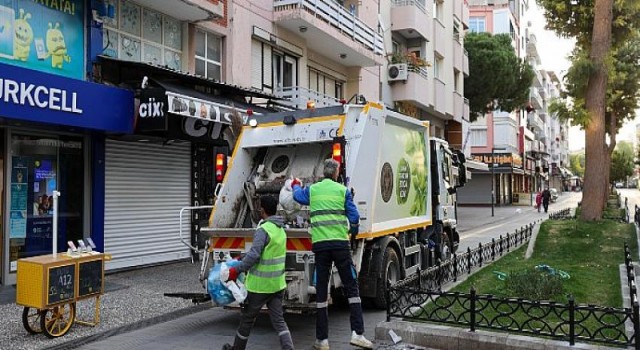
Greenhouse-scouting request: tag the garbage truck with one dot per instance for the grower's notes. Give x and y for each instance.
(403, 183)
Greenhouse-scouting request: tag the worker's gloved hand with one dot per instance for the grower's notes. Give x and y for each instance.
(295, 182)
(353, 229)
(233, 274)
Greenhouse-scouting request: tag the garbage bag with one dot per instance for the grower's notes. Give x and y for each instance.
(217, 289)
(287, 202)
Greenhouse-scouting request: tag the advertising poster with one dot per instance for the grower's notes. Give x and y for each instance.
(19, 199)
(403, 174)
(43, 35)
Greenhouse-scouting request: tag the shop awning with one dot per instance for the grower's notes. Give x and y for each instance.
(476, 166)
(172, 111)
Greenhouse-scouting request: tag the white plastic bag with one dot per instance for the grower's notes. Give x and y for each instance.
(290, 206)
(238, 290)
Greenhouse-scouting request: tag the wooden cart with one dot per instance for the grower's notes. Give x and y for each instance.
(49, 286)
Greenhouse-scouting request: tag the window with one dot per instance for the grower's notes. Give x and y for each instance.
(139, 34)
(437, 67)
(325, 84)
(395, 47)
(208, 55)
(456, 81)
(477, 24)
(438, 10)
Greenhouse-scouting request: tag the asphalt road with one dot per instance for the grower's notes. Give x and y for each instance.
(212, 328)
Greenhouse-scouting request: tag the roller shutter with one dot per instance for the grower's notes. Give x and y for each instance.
(145, 187)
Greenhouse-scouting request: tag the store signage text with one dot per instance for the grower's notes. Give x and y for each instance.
(41, 96)
(511, 160)
(151, 109)
(197, 128)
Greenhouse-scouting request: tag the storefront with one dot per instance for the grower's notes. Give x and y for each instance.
(50, 127)
(181, 123)
(503, 169)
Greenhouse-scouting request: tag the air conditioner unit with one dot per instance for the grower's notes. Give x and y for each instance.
(397, 72)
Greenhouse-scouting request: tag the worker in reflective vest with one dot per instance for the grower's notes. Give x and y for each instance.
(265, 280)
(333, 217)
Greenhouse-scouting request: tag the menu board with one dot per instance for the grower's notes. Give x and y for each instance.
(61, 283)
(90, 278)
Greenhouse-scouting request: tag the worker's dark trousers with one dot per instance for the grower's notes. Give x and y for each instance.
(342, 259)
(250, 311)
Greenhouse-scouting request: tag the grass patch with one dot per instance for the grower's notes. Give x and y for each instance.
(589, 252)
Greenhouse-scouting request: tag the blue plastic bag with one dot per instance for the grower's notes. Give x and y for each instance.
(219, 293)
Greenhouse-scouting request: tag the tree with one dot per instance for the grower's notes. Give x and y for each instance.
(597, 25)
(622, 162)
(576, 163)
(498, 79)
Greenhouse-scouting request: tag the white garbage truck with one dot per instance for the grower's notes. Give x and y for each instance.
(403, 181)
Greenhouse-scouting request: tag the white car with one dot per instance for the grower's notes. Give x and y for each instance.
(619, 185)
(554, 194)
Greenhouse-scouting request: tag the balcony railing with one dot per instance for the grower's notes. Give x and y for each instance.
(420, 5)
(419, 70)
(298, 97)
(536, 98)
(339, 17)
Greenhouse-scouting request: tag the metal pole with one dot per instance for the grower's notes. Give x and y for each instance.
(55, 195)
(493, 181)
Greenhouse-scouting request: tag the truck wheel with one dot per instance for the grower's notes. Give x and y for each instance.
(390, 273)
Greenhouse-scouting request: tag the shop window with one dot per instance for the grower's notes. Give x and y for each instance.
(208, 55)
(40, 165)
(139, 34)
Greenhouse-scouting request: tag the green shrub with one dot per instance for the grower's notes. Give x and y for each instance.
(533, 285)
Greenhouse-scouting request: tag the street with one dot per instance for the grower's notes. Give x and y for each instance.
(212, 328)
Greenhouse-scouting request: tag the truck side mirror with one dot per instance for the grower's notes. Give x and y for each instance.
(462, 175)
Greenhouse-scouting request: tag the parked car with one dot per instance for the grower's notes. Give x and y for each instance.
(619, 185)
(554, 194)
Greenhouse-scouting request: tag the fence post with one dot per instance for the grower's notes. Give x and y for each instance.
(480, 250)
(472, 317)
(439, 274)
(469, 260)
(455, 267)
(419, 278)
(493, 249)
(572, 320)
(508, 242)
(388, 297)
(500, 245)
(636, 324)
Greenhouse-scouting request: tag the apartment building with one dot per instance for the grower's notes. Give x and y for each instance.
(424, 74)
(495, 138)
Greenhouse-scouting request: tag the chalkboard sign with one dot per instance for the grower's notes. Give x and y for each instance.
(90, 278)
(61, 283)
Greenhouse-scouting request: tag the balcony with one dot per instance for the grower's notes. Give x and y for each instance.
(439, 38)
(414, 89)
(411, 19)
(440, 104)
(528, 134)
(533, 121)
(331, 29)
(458, 107)
(465, 15)
(188, 10)
(297, 97)
(458, 53)
(457, 8)
(465, 63)
(466, 110)
(535, 99)
(538, 82)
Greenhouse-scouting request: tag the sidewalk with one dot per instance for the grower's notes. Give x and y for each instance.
(130, 297)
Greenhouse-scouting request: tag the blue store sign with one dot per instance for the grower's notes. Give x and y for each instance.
(39, 97)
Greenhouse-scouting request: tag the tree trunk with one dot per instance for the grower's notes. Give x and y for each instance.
(613, 131)
(595, 146)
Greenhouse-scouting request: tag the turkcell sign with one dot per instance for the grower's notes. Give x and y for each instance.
(31, 95)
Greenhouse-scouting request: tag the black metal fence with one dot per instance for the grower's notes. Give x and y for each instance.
(421, 299)
(460, 264)
(636, 215)
(561, 214)
(570, 322)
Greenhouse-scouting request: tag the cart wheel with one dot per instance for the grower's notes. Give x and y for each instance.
(31, 320)
(57, 321)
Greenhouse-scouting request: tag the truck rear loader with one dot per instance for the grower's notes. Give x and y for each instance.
(403, 182)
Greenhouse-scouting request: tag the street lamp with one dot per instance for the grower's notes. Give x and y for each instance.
(493, 178)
